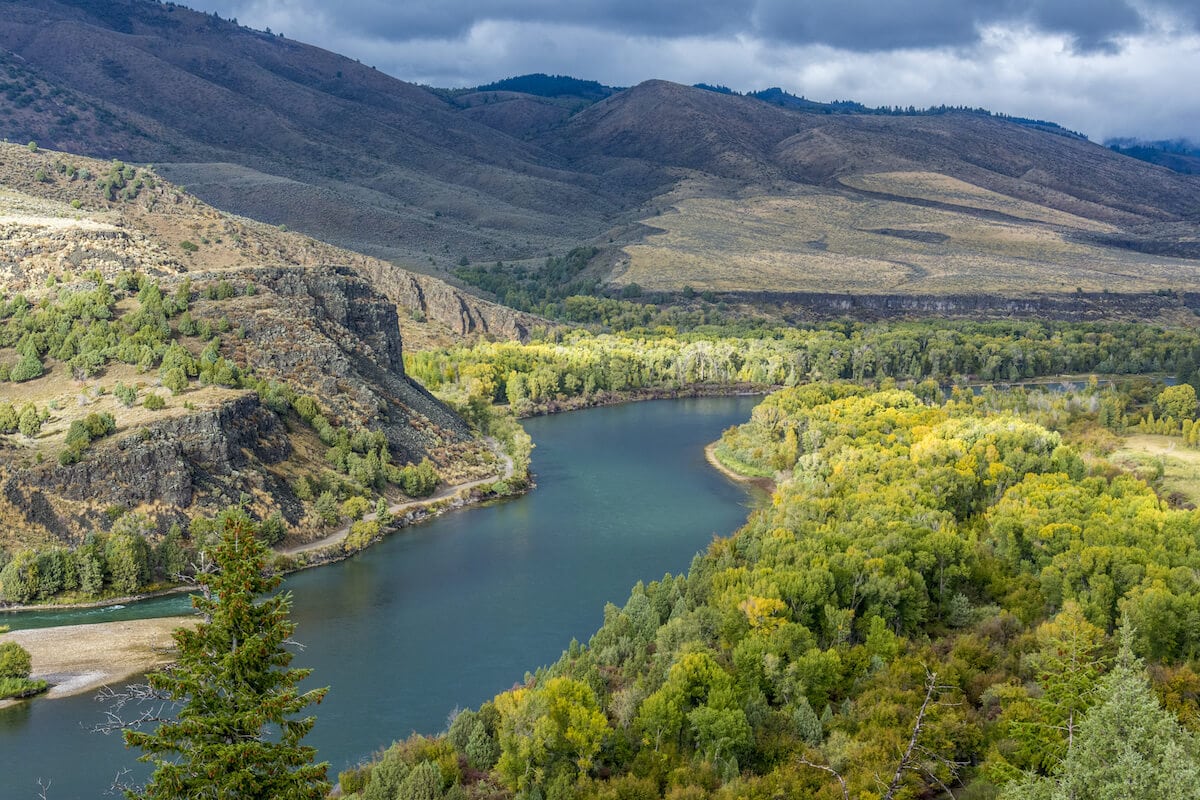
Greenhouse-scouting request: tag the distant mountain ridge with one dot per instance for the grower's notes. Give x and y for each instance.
(1178, 155)
(537, 165)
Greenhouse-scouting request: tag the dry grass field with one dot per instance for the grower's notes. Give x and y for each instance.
(1144, 453)
(944, 189)
(820, 240)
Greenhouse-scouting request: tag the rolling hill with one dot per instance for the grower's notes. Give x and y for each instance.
(676, 186)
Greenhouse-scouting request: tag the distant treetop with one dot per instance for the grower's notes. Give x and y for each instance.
(543, 85)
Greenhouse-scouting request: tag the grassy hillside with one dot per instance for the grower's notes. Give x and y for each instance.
(165, 359)
(538, 166)
(833, 240)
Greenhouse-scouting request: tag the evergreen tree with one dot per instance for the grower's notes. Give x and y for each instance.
(235, 736)
(1128, 746)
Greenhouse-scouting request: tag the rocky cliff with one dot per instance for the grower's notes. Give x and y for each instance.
(198, 462)
(286, 310)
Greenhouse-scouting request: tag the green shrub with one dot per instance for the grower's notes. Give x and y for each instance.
(19, 578)
(362, 533)
(419, 480)
(126, 394)
(353, 780)
(28, 368)
(8, 418)
(272, 529)
(188, 247)
(355, 507)
(14, 661)
(175, 379)
(154, 402)
(29, 422)
(306, 407)
(326, 507)
(21, 687)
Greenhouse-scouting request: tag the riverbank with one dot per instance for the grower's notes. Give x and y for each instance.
(76, 659)
(606, 398)
(328, 548)
(104, 603)
(766, 485)
(404, 513)
(82, 661)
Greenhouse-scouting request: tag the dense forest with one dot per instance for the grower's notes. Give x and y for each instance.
(941, 595)
(579, 363)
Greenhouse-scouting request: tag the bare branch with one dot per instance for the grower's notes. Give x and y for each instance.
(906, 761)
(121, 786)
(135, 694)
(831, 771)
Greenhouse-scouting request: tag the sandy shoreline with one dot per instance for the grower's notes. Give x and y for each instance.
(76, 659)
(765, 484)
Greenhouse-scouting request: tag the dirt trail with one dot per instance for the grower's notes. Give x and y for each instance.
(339, 535)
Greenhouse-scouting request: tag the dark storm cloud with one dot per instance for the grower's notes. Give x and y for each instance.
(856, 25)
(869, 25)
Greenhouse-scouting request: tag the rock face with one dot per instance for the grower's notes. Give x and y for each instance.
(328, 330)
(462, 313)
(203, 460)
(323, 331)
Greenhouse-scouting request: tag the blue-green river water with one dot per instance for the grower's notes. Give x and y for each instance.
(451, 612)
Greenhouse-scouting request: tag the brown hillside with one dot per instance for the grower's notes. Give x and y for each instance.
(290, 134)
(301, 313)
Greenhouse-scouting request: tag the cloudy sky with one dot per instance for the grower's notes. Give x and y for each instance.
(1104, 67)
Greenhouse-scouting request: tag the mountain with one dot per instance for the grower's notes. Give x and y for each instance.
(1179, 155)
(108, 269)
(759, 198)
(284, 132)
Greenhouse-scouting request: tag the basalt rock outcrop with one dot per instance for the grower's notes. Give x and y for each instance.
(285, 308)
(201, 461)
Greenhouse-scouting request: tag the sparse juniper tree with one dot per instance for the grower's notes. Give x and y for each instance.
(235, 735)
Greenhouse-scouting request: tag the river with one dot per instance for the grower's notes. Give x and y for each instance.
(450, 612)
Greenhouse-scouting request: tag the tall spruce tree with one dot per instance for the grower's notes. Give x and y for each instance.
(234, 735)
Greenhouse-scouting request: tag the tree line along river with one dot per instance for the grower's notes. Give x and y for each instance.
(448, 613)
